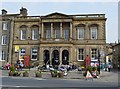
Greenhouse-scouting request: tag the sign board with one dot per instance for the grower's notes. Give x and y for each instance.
(16, 48)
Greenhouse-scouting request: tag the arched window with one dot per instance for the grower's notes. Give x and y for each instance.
(94, 31)
(80, 31)
(35, 32)
(23, 32)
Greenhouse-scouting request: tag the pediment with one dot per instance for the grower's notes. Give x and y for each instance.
(57, 15)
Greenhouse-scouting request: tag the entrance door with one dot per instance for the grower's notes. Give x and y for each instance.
(46, 57)
(55, 58)
(65, 57)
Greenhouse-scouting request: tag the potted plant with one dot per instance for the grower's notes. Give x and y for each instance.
(25, 74)
(38, 73)
(88, 69)
(54, 73)
(60, 74)
(12, 70)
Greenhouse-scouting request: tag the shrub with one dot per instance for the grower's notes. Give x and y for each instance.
(89, 68)
(94, 68)
(12, 68)
(38, 73)
(25, 74)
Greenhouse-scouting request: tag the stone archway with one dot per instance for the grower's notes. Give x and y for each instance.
(55, 58)
(46, 57)
(65, 57)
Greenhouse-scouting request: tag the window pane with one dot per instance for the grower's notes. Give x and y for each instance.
(66, 33)
(34, 34)
(80, 33)
(34, 53)
(80, 54)
(3, 55)
(4, 40)
(22, 53)
(57, 33)
(94, 54)
(94, 33)
(48, 33)
(23, 34)
(5, 26)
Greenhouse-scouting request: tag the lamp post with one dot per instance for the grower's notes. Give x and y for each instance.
(99, 61)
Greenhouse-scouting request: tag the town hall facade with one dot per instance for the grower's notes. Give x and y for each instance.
(57, 38)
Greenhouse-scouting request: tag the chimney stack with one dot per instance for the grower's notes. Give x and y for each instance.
(4, 12)
(23, 11)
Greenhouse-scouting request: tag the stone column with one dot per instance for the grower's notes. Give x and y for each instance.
(61, 30)
(60, 56)
(41, 55)
(42, 33)
(70, 30)
(50, 56)
(51, 30)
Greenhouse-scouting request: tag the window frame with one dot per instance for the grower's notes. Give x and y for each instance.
(35, 34)
(21, 35)
(79, 29)
(94, 30)
(81, 54)
(66, 35)
(3, 56)
(35, 49)
(4, 39)
(4, 26)
(95, 58)
(23, 54)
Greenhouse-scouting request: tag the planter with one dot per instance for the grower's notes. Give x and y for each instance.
(11, 73)
(25, 74)
(38, 74)
(54, 74)
(60, 75)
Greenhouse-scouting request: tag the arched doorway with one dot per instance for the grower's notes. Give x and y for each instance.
(65, 57)
(55, 58)
(46, 57)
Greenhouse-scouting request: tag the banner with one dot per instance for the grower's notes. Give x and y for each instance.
(16, 48)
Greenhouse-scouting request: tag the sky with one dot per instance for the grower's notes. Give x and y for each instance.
(109, 8)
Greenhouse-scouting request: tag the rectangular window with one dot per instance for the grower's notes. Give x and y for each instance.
(34, 54)
(3, 55)
(23, 34)
(34, 34)
(5, 25)
(66, 33)
(22, 54)
(80, 54)
(48, 33)
(93, 54)
(94, 33)
(80, 33)
(57, 33)
(4, 40)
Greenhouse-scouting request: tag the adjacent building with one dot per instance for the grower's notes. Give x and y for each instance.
(57, 38)
(116, 55)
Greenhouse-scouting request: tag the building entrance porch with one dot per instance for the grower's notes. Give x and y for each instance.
(55, 57)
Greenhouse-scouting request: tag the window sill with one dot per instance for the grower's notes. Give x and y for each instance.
(33, 59)
(80, 60)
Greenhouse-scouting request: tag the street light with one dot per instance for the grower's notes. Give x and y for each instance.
(99, 61)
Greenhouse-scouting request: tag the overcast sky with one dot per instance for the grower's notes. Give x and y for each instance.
(110, 9)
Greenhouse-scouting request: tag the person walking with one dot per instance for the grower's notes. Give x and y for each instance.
(109, 67)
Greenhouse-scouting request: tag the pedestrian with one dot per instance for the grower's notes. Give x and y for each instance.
(109, 67)
(118, 66)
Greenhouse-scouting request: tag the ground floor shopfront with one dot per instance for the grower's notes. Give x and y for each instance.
(58, 54)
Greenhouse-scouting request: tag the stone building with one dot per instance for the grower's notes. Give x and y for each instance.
(5, 30)
(58, 38)
(116, 55)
